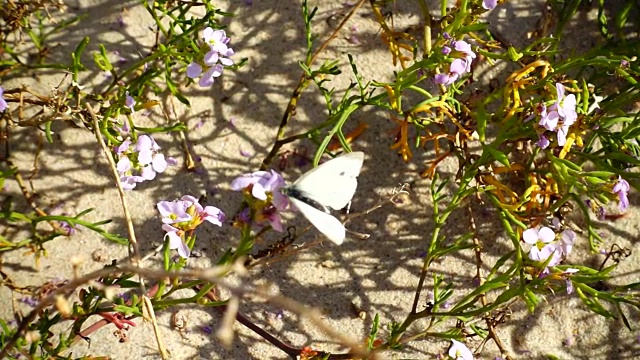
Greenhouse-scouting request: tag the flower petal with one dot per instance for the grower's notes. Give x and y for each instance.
(194, 70)
(158, 163)
(211, 57)
(546, 235)
(530, 236)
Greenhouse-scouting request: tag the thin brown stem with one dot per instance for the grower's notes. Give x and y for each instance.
(482, 297)
(128, 220)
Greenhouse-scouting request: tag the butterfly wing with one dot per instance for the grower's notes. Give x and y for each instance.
(331, 227)
(334, 182)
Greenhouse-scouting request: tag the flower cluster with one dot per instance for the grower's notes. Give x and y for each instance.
(558, 117)
(140, 163)
(463, 54)
(545, 246)
(216, 57)
(266, 201)
(181, 217)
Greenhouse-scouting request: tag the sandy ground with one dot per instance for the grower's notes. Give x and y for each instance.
(232, 126)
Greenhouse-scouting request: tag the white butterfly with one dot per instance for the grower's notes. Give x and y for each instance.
(330, 185)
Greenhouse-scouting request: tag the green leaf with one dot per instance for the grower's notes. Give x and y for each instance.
(373, 334)
(514, 55)
(47, 132)
(482, 118)
(498, 155)
(623, 15)
(179, 126)
(77, 55)
(101, 60)
(592, 303)
(531, 299)
(565, 163)
(174, 90)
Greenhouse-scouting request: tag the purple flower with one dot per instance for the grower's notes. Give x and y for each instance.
(173, 211)
(545, 246)
(553, 251)
(271, 215)
(148, 156)
(120, 21)
(568, 272)
(180, 216)
(209, 76)
(224, 58)
(560, 116)
(264, 186)
(123, 165)
(261, 183)
(127, 179)
(465, 48)
(3, 102)
(187, 213)
(621, 188)
(566, 106)
(543, 142)
(176, 241)
(216, 39)
(29, 301)
(211, 58)
(245, 216)
(567, 239)
(129, 182)
(68, 228)
(548, 120)
(489, 4)
(140, 164)
(446, 79)
(194, 70)
(542, 245)
(209, 213)
(124, 147)
(459, 351)
(533, 236)
(458, 66)
(219, 51)
(563, 131)
(124, 130)
(212, 63)
(130, 102)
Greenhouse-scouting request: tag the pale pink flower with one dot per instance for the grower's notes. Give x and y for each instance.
(459, 351)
